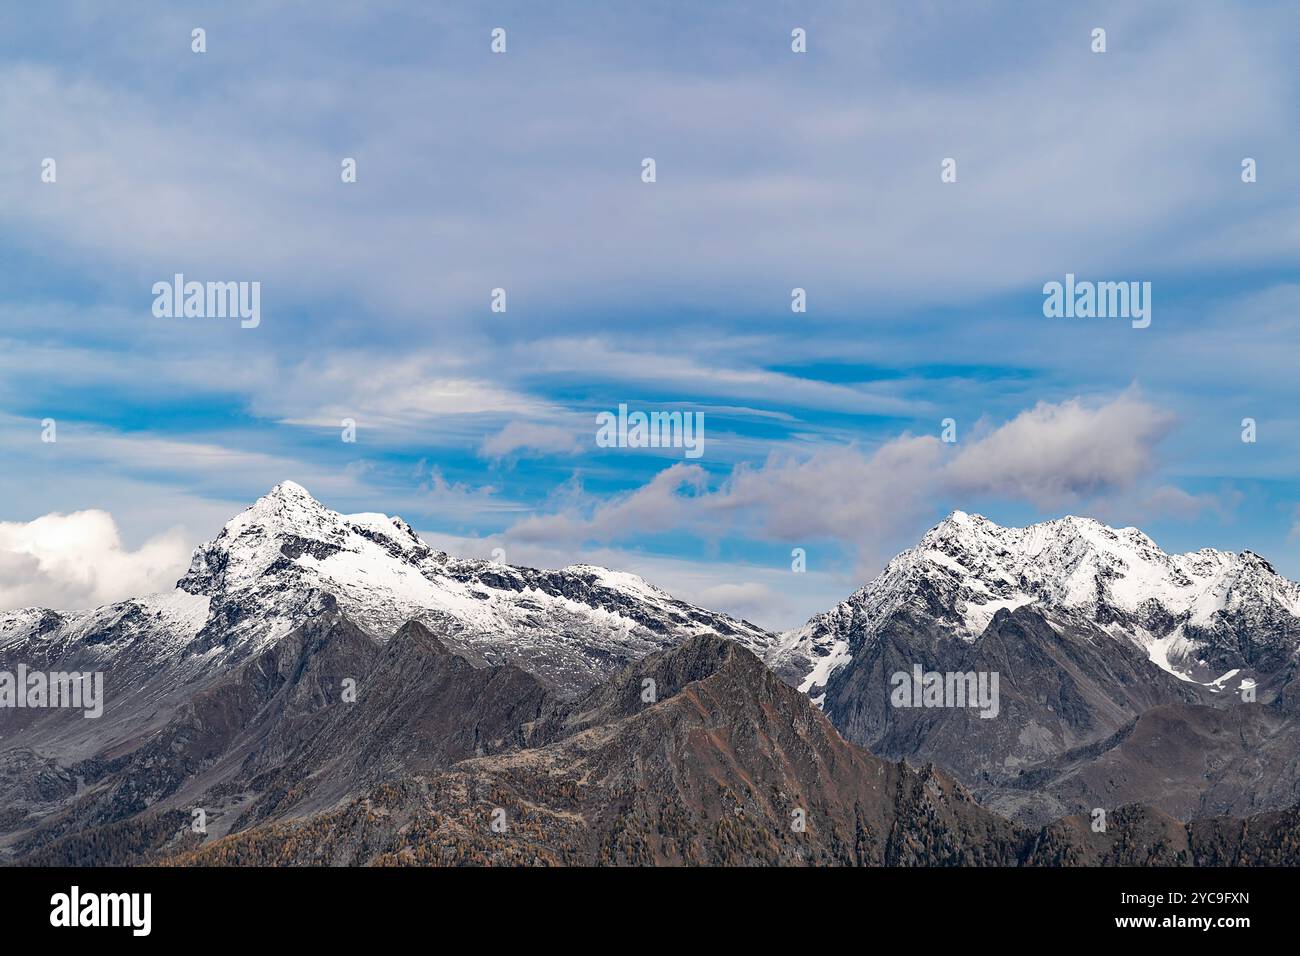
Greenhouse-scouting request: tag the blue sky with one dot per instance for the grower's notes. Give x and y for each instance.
(522, 171)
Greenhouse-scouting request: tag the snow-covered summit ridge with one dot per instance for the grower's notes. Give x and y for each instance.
(1081, 564)
(288, 557)
(288, 531)
(967, 567)
(286, 524)
(274, 561)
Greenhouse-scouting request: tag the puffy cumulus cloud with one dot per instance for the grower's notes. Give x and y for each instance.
(1047, 455)
(1177, 503)
(527, 439)
(837, 492)
(73, 561)
(749, 601)
(1051, 454)
(660, 504)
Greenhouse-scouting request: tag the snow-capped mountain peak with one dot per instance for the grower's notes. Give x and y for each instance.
(288, 532)
(1187, 611)
(1081, 564)
(287, 557)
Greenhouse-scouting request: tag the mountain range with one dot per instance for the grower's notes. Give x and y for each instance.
(327, 688)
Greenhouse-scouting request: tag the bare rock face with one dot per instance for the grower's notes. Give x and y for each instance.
(1060, 685)
(727, 765)
(696, 755)
(1190, 761)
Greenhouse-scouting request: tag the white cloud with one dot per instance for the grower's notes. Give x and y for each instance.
(1178, 503)
(387, 392)
(519, 439)
(1047, 455)
(838, 492)
(659, 504)
(73, 561)
(749, 600)
(1051, 454)
(671, 367)
(201, 462)
(762, 173)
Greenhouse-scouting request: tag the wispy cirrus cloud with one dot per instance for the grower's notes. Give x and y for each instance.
(735, 225)
(521, 438)
(776, 171)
